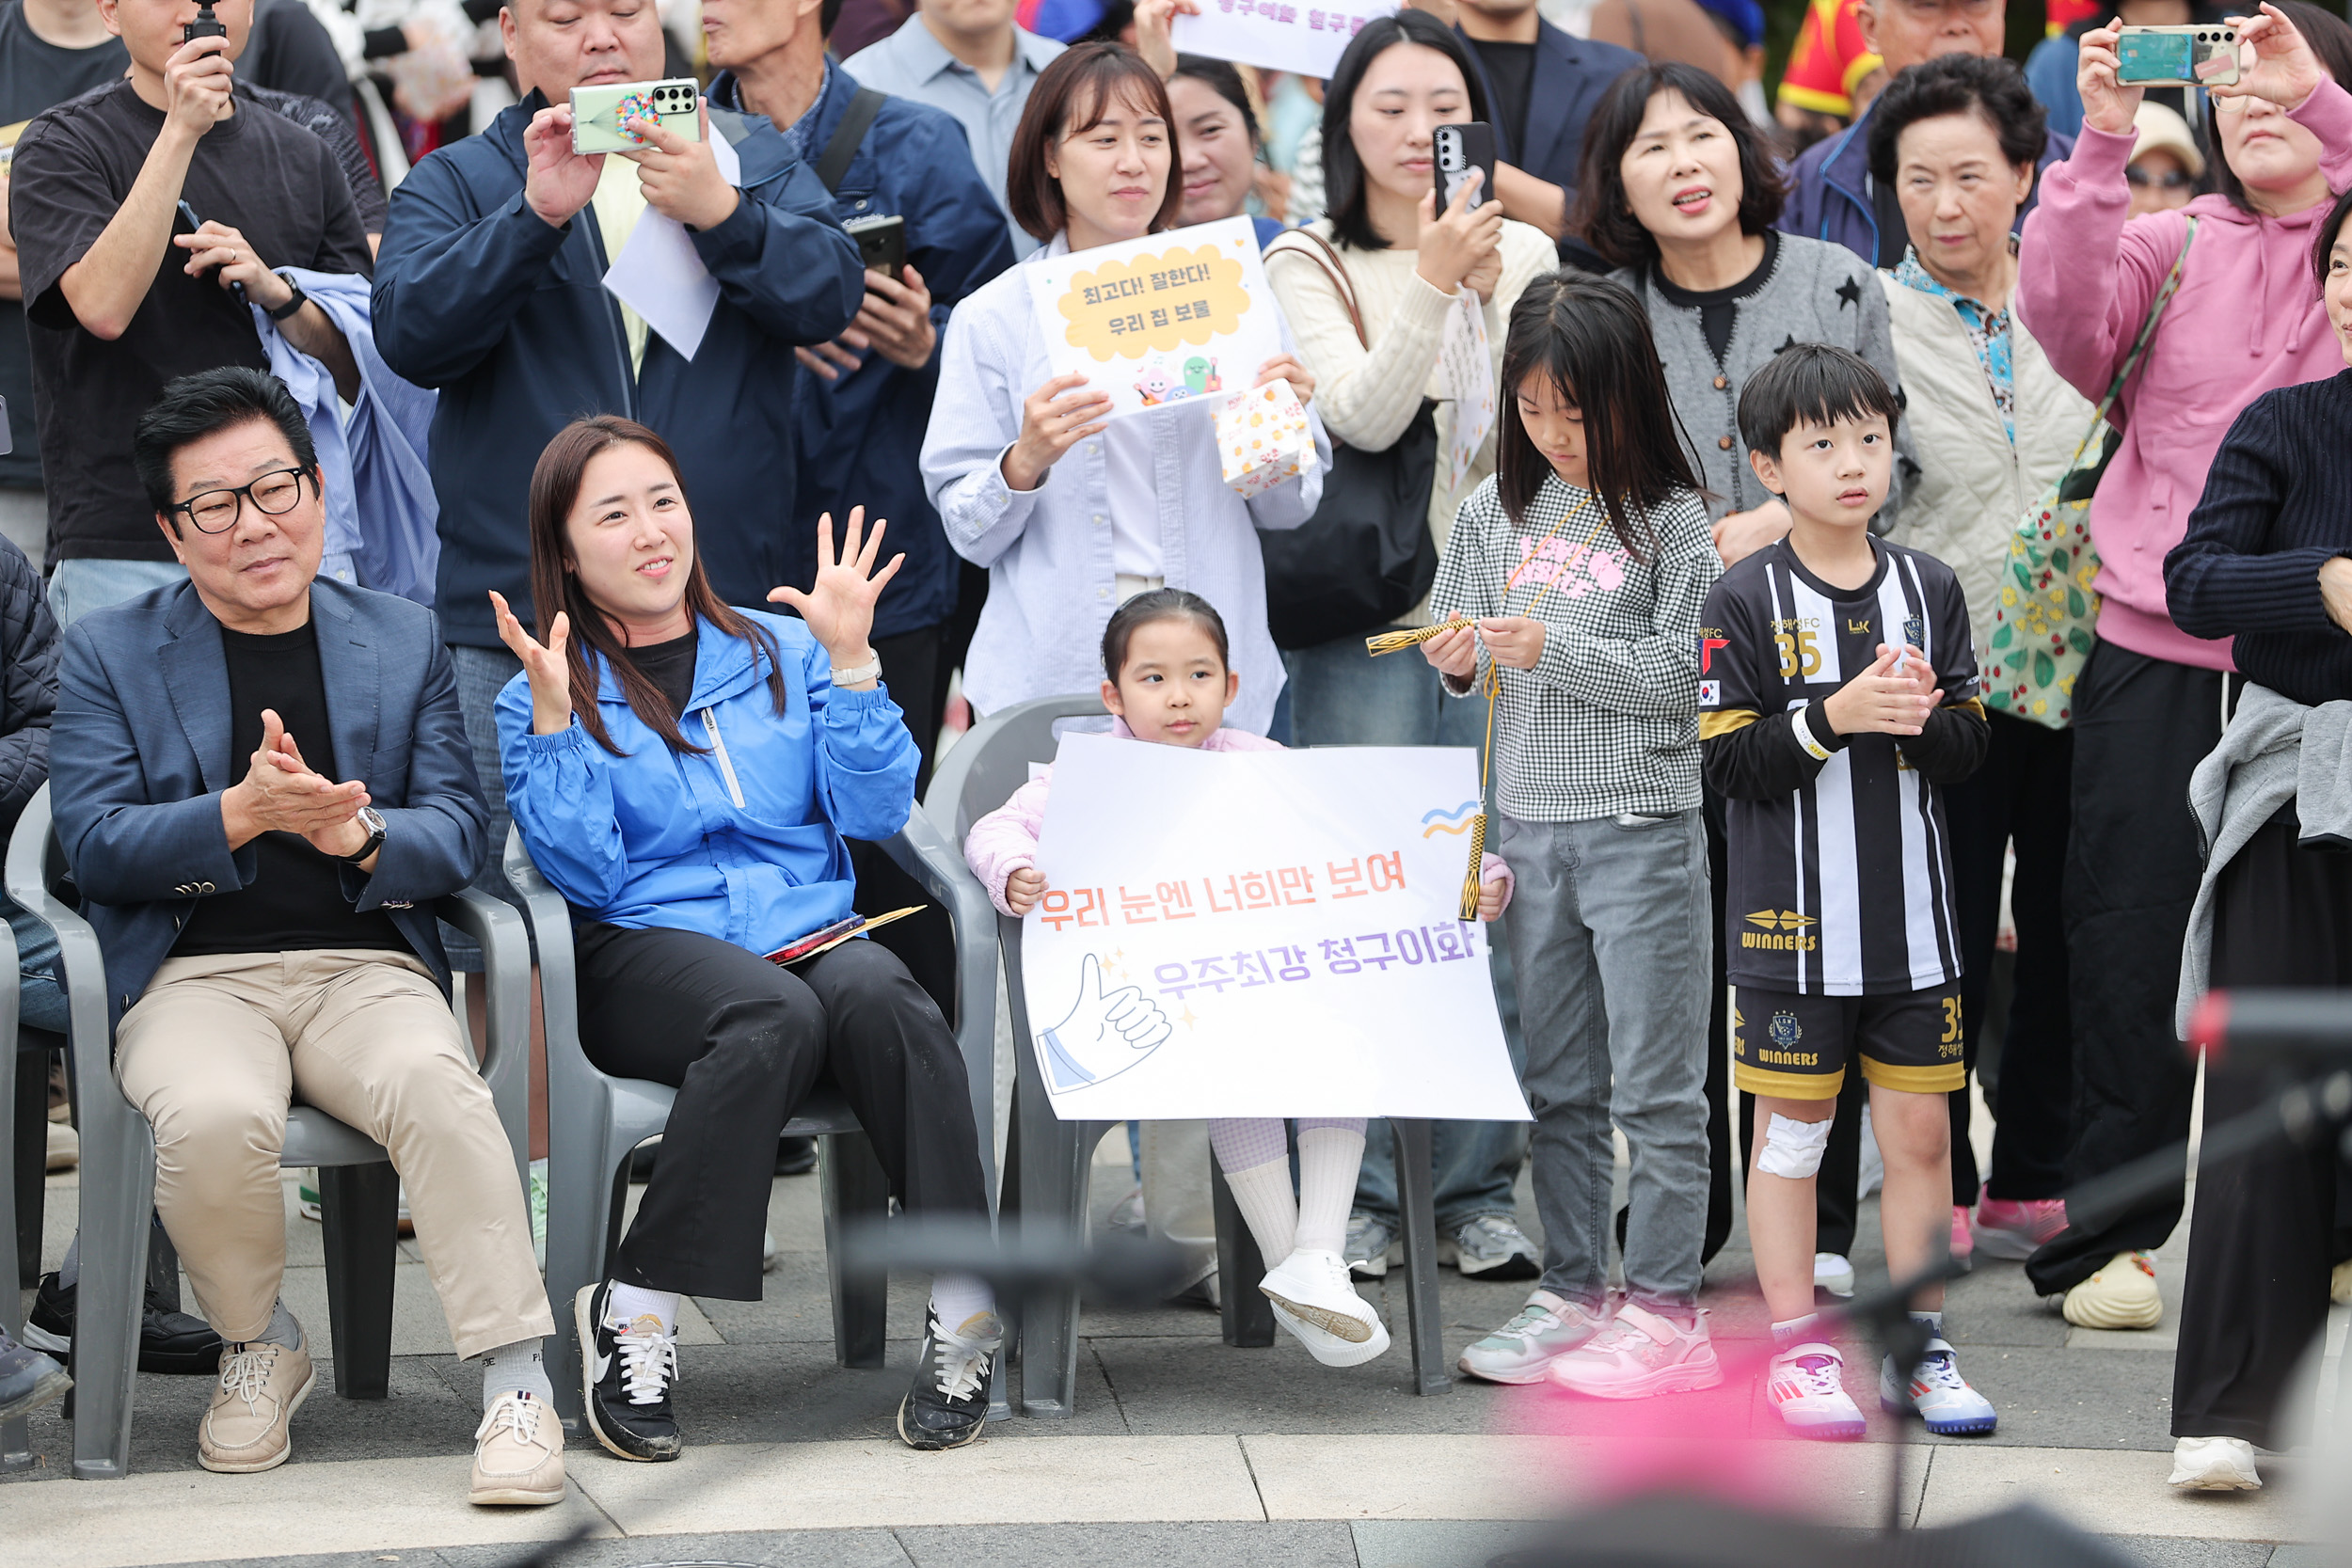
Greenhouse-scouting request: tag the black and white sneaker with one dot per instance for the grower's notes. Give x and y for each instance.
(625, 1372)
(171, 1342)
(948, 1404)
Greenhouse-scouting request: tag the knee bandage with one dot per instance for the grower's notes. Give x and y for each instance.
(1793, 1149)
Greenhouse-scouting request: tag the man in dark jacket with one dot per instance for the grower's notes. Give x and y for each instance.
(1542, 85)
(489, 287)
(1831, 196)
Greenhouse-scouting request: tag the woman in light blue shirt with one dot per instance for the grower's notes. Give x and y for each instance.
(1073, 513)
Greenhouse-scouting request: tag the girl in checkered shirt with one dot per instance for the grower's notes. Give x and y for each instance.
(1167, 680)
(1585, 563)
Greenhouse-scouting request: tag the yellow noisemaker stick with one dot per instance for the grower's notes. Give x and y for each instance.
(1476, 875)
(1391, 641)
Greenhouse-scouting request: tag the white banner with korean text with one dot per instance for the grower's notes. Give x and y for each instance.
(1261, 934)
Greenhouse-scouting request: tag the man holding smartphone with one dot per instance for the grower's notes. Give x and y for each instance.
(1543, 83)
(123, 292)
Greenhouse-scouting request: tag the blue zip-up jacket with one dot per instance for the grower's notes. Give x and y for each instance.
(509, 318)
(1829, 196)
(860, 437)
(742, 841)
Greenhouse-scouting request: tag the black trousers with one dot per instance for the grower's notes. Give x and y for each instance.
(2264, 1237)
(744, 1041)
(2133, 863)
(925, 943)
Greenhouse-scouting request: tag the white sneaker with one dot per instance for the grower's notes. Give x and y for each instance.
(1315, 1299)
(2121, 1295)
(2214, 1464)
(769, 1258)
(1638, 1355)
(1490, 1246)
(1524, 1350)
(1805, 1387)
(1833, 1272)
(1368, 1244)
(1945, 1402)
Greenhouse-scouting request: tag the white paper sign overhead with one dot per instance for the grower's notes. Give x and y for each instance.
(659, 274)
(1281, 942)
(1466, 361)
(1162, 320)
(1278, 35)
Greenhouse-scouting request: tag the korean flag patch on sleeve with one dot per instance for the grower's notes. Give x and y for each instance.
(1710, 693)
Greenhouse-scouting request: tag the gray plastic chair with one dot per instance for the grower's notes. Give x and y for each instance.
(595, 1120)
(16, 1440)
(1049, 1162)
(358, 1191)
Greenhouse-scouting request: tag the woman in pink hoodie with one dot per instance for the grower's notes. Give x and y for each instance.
(1167, 680)
(2151, 699)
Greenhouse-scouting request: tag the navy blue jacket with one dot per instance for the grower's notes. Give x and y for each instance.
(1829, 190)
(140, 757)
(1571, 73)
(509, 319)
(860, 437)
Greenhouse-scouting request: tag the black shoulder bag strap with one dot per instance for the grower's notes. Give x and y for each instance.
(847, 136)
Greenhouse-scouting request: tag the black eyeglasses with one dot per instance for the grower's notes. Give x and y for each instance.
(2170, 180)
(272, 495)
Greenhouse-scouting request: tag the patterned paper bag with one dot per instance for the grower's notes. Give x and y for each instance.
(1263, 438)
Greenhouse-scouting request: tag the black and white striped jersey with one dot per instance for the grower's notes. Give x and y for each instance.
(1840, 868)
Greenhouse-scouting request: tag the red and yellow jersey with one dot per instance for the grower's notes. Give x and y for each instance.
(1828, 58)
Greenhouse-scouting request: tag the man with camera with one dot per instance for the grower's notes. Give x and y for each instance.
(490, 287)
(149, 217)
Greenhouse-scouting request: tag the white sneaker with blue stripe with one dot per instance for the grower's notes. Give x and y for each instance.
(1949, 1406)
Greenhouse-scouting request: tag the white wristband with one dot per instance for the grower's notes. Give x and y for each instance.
(871, 669)
(1813, 748)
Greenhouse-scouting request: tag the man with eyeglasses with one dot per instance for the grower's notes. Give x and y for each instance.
(262, 783)
(1831, 196)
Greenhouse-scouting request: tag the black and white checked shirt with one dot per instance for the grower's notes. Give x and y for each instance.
(1607, 723)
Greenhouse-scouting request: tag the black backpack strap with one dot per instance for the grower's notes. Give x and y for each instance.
(847, 136)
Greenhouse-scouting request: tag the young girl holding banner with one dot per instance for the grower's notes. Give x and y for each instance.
(1585, 563)
(1167, 680)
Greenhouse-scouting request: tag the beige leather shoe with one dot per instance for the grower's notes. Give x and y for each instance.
(2121, 1295)
(261, 1388)
(519, 1453)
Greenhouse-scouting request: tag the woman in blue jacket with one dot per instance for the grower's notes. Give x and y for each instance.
(684, 774)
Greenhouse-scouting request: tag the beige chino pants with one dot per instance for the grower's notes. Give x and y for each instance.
(215, 1048)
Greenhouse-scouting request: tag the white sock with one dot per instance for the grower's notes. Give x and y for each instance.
(958, 1298)
(1263, 1192)
(1934, 1322)
(1328, 1159)
(515, 1369)
(627, 1303)
(1795, 1331)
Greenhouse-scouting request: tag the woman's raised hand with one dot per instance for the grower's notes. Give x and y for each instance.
(1055, 417)
(2107, 104)
(839, 608)
(1458, 240)
(544, 662)
(2274, 61)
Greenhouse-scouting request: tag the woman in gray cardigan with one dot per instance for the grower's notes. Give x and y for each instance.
(1680, 191)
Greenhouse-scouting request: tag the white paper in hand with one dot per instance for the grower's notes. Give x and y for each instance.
(659, 274)
(1467, 362)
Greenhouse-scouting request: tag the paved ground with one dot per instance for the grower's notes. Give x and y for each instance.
(1184, 1452)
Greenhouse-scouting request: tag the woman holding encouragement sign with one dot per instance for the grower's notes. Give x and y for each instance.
(1081, 490)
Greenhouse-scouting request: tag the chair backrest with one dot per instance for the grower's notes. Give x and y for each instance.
(980, 771)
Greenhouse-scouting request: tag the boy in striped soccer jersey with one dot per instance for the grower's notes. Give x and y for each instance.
(1838, 689)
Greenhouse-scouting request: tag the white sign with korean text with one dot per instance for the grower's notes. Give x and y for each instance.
(1277, 35)
(1163, 319)
(1261, 934)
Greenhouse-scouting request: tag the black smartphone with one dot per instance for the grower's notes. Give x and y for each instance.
(881, 243)
(1460, 149)
(186, 222)
(206, 25)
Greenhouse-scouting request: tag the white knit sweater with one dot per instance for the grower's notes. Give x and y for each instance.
(1367, 397)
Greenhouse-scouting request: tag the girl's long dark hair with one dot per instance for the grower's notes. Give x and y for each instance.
(555, 586)
(1589, 339)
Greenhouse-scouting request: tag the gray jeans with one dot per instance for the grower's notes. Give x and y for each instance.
(1609, 935)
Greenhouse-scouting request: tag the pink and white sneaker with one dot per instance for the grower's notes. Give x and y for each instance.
(1804, 1385)
(1638, 1355)
(2016, 1230)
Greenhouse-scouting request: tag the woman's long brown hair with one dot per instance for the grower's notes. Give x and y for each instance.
(555, 586)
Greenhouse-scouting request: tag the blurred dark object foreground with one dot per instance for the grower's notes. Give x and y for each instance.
(1664, 1531)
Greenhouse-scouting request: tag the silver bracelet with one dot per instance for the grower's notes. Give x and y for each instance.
(870, 670)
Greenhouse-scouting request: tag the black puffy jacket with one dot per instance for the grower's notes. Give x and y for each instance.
(28, 684)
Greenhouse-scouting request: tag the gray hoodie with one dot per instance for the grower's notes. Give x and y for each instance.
(2275, 753)
(1814, 294)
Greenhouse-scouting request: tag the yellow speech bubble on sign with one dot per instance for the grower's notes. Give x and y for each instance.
(1155, 303)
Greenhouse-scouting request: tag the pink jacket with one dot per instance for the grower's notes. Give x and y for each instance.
(2248, 318)
(1005, 841)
